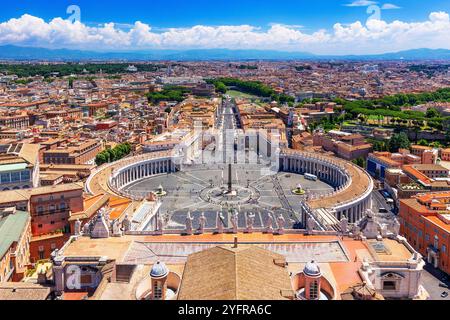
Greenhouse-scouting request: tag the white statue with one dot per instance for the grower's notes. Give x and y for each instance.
(87, 229)
(126, 224)
(372, 228)
(250, 222)
(77, 226)
(116, 228)
(395, 227)
(344, 225)
(106, 213)
(310, 225)
(281, 223)
(356, 230)
(189, 220)
(202, 222)
(160, 224)
(219, 222)
(269, 224)
(235, 221)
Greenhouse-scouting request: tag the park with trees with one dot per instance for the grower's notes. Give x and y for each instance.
(251, 87)
(110, 155)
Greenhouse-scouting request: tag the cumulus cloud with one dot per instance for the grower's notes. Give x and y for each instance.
(390, 6)
(360, 3)
(375, 36)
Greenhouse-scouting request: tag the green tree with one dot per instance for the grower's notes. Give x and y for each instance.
(399, 141)
(432, 113)
(423, 142)
(100, 159)
(361, 162)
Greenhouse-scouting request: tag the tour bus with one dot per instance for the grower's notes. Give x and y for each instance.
(311, 177)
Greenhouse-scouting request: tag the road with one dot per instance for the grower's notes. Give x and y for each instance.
(378, 202)
(227, 123)
(430, 280)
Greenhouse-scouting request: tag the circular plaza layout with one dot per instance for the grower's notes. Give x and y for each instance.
(200, 189)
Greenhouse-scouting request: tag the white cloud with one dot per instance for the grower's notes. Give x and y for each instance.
(390, 6)
(375, 36)
(360, 3)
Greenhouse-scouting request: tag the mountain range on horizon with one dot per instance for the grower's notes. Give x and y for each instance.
(16, 53)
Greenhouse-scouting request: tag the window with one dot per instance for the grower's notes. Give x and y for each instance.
(444, 248)
(41, 255)
(5, 178)
(15, 176)
(158, 294)
(314, 290)
(389, 285)
(25, 176)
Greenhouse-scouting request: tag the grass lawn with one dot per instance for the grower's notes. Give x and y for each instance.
(238, 94)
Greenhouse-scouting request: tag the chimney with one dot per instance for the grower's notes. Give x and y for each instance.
(236, 242)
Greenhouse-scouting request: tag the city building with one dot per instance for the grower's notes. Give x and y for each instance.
(83, 152)
(15, 237)
(19, 166)
(345, 145)
(425, 222)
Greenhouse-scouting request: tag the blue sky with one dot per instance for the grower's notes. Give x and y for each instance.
(312, 14)
(302, 24)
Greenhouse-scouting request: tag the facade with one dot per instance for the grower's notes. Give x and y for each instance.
(345, 145)
(19, 167)
(81, 153)
(15, 237)
(379, 162)
(19, 120)
(427, 154)
(50, 210)
(425, 222)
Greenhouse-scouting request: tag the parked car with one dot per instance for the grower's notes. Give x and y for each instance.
(444, 294)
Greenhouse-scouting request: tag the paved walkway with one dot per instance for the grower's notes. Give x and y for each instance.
(431, 278)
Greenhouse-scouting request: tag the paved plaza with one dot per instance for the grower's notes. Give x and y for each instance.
(186, 189)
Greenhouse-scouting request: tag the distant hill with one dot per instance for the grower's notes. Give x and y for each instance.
(28, 53)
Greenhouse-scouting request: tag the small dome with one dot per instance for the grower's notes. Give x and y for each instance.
(159, 270)
(312, 269)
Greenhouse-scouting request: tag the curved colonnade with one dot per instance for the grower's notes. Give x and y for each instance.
(353, 186)
(351, 198)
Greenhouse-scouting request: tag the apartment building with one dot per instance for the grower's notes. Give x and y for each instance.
(425, 223)
(73, 153)
(345, 145)
(15, 236)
